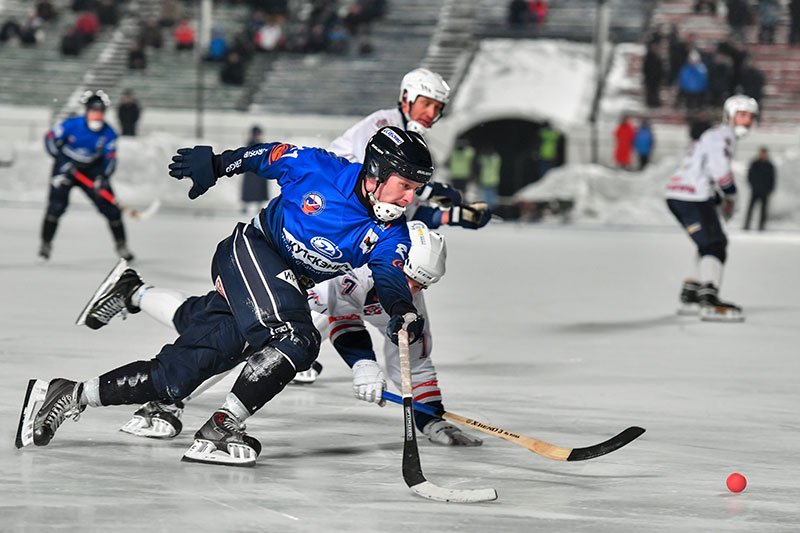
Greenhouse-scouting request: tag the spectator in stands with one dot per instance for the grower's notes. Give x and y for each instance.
(794, 21)
(692, 82)
(462, 164)
(32, 30)
(769, 11)
(255, 192)
(88, 26)
(702, 5)
(643, 143)
(678, 52)
(83, 5)
(720, 77)
(137, 59)
(151, 34)
(217, 47)
(518, 13)
(71, 42)
(171, 12)
(489, 163)
(184, 35)
(232, 72)
(738, 53)
(752, 82)
(338, 40)
(10, 31)
(739, 17)
(46, 11)
(653, 72)
(761, 177)
(129, 113)
(358, 21)
(537, 10)
(108, 13)
(269, 36)
(624, 135)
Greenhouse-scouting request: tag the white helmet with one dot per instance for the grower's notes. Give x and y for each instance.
(425, 263)
(734, 104)
(423, 82)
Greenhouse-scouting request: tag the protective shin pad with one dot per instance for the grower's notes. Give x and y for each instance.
(131, 384)
(266, 374)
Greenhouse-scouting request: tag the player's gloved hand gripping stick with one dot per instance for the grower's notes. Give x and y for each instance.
(109, 197)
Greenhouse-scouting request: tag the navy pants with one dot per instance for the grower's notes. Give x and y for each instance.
(257, 303)
(701, 222)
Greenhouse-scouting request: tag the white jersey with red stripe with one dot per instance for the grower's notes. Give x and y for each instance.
(345, 304)
(706, 166)
(352, 144)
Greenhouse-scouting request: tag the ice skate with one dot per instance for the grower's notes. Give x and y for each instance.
(712, 309)
(442, 432)
(123, 252)
(222, 441)
(44, 251)
(690, 301)
(307, 377)
(112, 297)
(155, 420)
(46, 407)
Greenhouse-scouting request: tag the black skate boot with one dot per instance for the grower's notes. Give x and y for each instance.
(222, 441)
(156, 421)
(112, 297)
(690, 301)
(55, 401)
(715, 310)
(44, 251)
(123, 252)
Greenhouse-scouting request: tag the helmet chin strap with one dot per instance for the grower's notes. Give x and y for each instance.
(384, 211)
(416, 127)
(95, 125)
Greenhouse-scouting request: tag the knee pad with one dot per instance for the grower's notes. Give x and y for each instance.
(301, 345)
(717, 248)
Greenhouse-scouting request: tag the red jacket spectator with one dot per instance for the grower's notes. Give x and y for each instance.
(184, 35)
(88, 26)
(538, 10)
(624, 134)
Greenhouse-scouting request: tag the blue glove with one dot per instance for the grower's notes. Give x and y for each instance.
(416, 323)
(196, 164)
(470, 216)
(440, 193)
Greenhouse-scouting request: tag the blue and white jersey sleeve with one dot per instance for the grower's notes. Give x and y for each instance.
(386, 264)
(275, 161)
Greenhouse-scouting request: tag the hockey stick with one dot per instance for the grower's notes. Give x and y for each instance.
(540, 447)
(109, 197)
(412, 468)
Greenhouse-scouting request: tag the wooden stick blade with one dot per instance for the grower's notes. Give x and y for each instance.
(614, 443)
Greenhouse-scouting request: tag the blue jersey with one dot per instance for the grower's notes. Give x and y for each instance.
(72, 140)
(321, 223)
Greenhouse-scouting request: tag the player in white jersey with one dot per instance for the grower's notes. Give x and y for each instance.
(420, 104)
(704, 180)
(343, 306)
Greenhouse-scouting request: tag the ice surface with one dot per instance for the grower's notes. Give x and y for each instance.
(566, 334)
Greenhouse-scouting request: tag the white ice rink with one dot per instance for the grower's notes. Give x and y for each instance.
(567, 334)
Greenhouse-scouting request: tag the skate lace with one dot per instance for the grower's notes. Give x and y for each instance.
(110, 308)
(66, 406)
(236, 428)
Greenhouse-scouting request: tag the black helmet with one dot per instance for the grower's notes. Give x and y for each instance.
(393, 149)
(96, 100)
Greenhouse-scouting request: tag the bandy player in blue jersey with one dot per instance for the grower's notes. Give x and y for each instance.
(331, 217)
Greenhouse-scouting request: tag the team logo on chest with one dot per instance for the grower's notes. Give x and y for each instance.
(313, 203)
(326, 247)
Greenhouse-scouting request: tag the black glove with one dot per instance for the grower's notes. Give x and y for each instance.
(196, 164)
(101, 183)
(470, 216)
(441, 193)
(416, 323)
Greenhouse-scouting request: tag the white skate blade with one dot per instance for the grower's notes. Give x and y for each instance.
(159, 429)
(34, 398)
(720, 314)
(203, 451)
(110, 280)
(689, 310)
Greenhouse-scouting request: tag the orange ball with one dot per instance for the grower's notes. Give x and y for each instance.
(736, 482)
